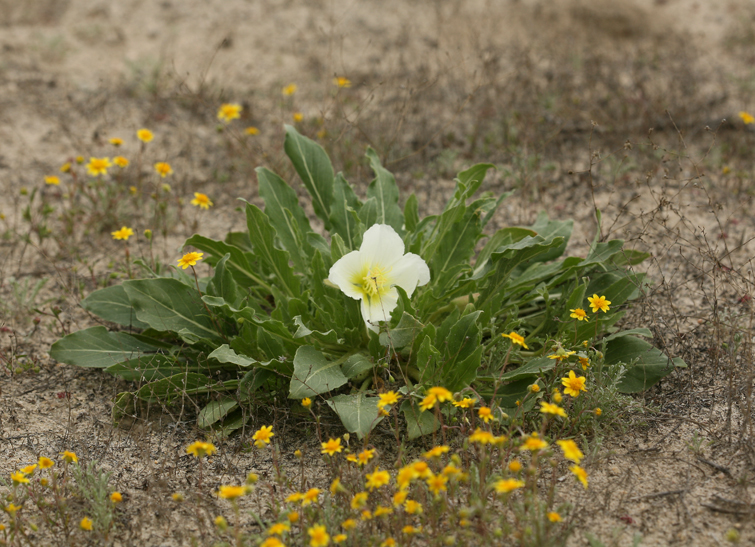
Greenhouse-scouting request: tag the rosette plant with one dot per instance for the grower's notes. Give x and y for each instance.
(383, 300)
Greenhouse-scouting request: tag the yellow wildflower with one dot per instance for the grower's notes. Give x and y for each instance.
(573, 384)
(116, 497)
(598, 411)
(19, 478)
(399, 497)
(45, 462)
(598, 303)
(548, 408)
(746, 117)
(263, 435)
(515, 466)
(516, 339)
(377, 478)
(437, 483)
(339, 538)
(382, 510)
(306, 402)
(310, 496)
(66, 167)
(441, 393)
(163, 169)
(410, 530)
(561, 355)
(318, 536)
(229, 111)
(340, 81)
(365, 456)
(289, 90)
(336, 486)
(349, 524)
(115, 141)
(359, 500)
(428, 402)
(190, 259)
(534, 443)
(485, 414)
(295, 497)
(272, 542)
(98, 166)
(504, 486)
(389, 542)
(124, 233)
(580, 473)
(145, 135)
(201, 200)
(199, 449)
(298, 116)
(86, 524)
(29, 469)
(53, 180)
(177, 496)
(293, 517)
(584, 361)
(69, 457)
(232, 492)
(554, 517)
(579, 314)
(482, 437)
(251, 130)
(436, 452)
(571, 450)
(120, 161)
(412, 507)
(332, 446)
(466, 402)
(390, 398)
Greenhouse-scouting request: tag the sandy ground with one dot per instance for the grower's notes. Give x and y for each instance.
(74, 73)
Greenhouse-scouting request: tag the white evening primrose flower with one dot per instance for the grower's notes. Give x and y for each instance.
(372, 273)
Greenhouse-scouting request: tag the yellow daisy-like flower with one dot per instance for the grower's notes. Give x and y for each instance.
(144, 135)
(336, 487)
(229, 111)
(200, 449)
(451, 470)
(29, 469)
(516, 339)
(11, 508)
(485, 414)
(422, 469)
(349, 524)
(66, 167)
(441, 393)
(390, 398)
(549, 408)
(580, 473)
(52, 180)
(359, 500)
(69, 457)
(365, 456)
(86, 524)
(746, 117)
(293, 517)
(405, 476)
(412, 507)
(45, 462)
(436, 452)
(428, 402)
(437, 483)
(515, 466)
(561, 355)
(177, 496)
(466, 402)
(124, 233)
(262, 436)
(411, 530)
(19, 478)
(272, 542)
(377, 478)
(598, 411)
(310, 496)
(571, 450)
(389, 542)
(318, 536)
(584, 361)
(340, 81)
(190, 259)
(579, 314)
(306, 402)
(533, 443)
(298, 116)
(598, 303)
(295, 497)
(399, 498)
(573, 384)
(163, 169)
(332, 446)
(120, 161)
(554, 517)
(289, 90)
(340, 538)
(251, 130)
(98, 166)
(201, 200)
(232, 492)
(382, 510)
(115, 141)
(504, 486)
(116, 497)
(482, 437)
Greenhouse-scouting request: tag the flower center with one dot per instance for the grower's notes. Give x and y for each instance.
(374, 283)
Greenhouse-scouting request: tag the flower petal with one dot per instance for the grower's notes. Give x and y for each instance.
(381, 246)
(347, 274)
(410, 272)
(376, 309)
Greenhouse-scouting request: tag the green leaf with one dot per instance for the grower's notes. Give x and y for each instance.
(112, 304)
(263, 235)
(534, 367)
(224, 354)
(403, 334)
(428, 359)
(147, 368)
(314, 374)
(646, 365)
(356, 365)
(172, 387)
(315, 171)
(470, 181)
(223, 285)
(418, 423)
(241, 264)
(358, 412)
(343, 213)
(286, 216)
(629, 257)
(368, 214)
(167, 304)
(385, 191)
(462, 354)
(215, 411)
(411, 213)
(95, 347)
(550, 229)
(630, 332)
(601, 252)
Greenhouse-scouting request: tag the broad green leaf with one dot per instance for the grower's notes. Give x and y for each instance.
(618, 287)
(223, 284)
(215, 411)
(95, 347)
(418, 423)
(550, 229)
(534, 367)
(343, 213)
(356, 365)
(169, 305)
(291, 228)
(470, 181)
(629, 257)
(314, 374)
(147, 368)
(328, 338)
(276, 260)
(428, 363)
(369, 212)
(646, 365)
(403, 334)
(462, 354)
(358, 412)
(601, 252)
(224, 354)
(411, 213)
(173, 387)
(630, 332)
(112, 304)
(234, 421)
(241, 263)
(315, 171)
(385, 191)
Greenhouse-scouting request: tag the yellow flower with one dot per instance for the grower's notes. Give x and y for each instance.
(422, 469)
(598, 411)
(298, 116)
(598, 303)
(115, 141)
(220, 522)
(69, 457)
(310, 496)
(437, 483)
(251, 130)
(381, 510)
(349, 524)
(554, 517)
(199, 449)
(124, 233)
(116, 497)
(399, 497)
(98, 166)
(390, 398)
(229, 111)
(389, 542)
(53, 180)
(289, 90)
(86, 524)
(45, 462)
(412, 507)
(252, 478)
(120, 161)
(79, 159)
(451, 470)
(534, 388)
(340, 81)
(482, 437)
(485, 414)
(262, 436)
(366, 515)
(573, 384)
(190, 259)
(177, 496)
(132, 190)
(365, 456)
(571, 450)
(339, 538)
(561, 355)
(580, 473)
(410, 530)
(466, 402)
(377, 478)
(533, 443)
(746, 117)
(579, 314)
(515, 466)
(359, 500)
(272, 542)
(10, 508)
(201, 200)
(163, 169)
(436, 452)
(29, 469)
(557, 397)
(145, 135)
(441, 393)
(293, 517)
(336, 487)
(19, 478)
(584, 361)
(405, 476)
(332, 446)
(293, 498)
(548, 408)
(66, 167)
(306, 402)
(516, 339)
(428, 402)
(318, 536)
(232, 492)
(504, 486)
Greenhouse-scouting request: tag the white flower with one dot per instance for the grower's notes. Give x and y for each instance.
(372, 273)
